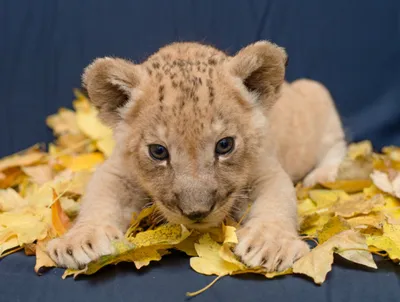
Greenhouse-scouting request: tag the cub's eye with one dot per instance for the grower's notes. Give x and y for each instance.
(224, 146)
(158, 152)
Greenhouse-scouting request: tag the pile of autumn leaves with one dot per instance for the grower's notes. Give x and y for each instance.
(354, 217)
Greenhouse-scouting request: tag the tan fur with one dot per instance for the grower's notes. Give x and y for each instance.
(187, 97)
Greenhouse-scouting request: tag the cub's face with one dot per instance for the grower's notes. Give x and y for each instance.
(188, 125)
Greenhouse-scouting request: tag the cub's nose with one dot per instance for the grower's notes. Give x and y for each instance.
(197, 216)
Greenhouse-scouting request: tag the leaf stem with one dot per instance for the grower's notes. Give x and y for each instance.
(11, 251)
(192, 294)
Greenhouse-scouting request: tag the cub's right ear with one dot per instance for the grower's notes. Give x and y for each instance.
(110, 83)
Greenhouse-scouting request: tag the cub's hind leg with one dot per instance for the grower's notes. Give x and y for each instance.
(332, 147)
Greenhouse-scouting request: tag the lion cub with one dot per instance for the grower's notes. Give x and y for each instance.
(202, 134)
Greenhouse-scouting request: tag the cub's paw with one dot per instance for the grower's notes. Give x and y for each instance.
(321, 174)
(269, 245)
(83, 244)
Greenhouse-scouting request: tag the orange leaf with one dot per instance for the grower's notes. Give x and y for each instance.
(349, 186)
(60, 220)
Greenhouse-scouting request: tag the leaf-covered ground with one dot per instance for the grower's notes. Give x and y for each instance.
(356, 216)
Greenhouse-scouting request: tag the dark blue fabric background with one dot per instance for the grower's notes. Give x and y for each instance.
(353, 47)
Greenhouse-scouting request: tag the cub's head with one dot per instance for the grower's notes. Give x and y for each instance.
(190, 123)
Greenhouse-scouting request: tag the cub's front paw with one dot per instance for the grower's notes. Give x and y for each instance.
(269, 245)
(83, 244)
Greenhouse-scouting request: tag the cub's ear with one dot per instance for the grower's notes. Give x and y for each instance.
(261, 69)
(110, 83)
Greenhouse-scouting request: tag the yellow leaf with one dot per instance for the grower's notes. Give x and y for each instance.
(349, 186)
(63, 122)
(10, 200)
(229, 235)
(187, 245)
(42, 258)
(165, 235)
(326, 198)
(312, 223)
(20, 160)
(393, 152)
(230, 241)
(82, 162)
(125, 252)
(348, 244)
(27, 226)
(334, 226)
(359, 150)
(39, 174)
(209, 261)
(371, 191)
(9, 244)
(89, 124)
(306, 206)
(389, 241)
(71, 182)
(386, 244)
(106, 145)
(137, 219)
(373, 219)
(40, 196)
(357, 204)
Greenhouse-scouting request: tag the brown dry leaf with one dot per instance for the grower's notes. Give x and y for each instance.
(11, 200)
(147, 246)
(373, 219)
(42, 258)
(39, 174)
(11, 177)
(357, 204)
(348, 244)
(63, 122)
(30, 249)
(26, 158)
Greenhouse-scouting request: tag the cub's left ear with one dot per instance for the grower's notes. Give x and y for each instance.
(261, 68)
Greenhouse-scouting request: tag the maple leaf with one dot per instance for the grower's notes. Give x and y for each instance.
(348, 244)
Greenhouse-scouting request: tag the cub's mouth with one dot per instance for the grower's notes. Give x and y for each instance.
(219, 212)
